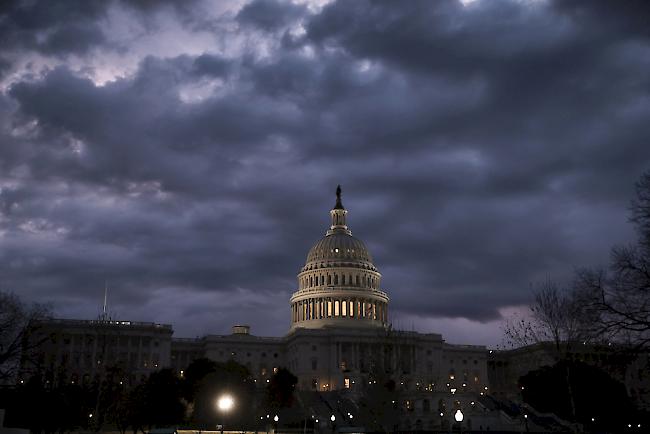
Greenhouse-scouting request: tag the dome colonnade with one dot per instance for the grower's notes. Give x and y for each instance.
(339, 284)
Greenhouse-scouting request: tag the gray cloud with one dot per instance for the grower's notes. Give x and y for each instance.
(481, 148)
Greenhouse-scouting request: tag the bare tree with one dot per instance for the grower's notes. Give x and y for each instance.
(557, 320)
(619, 297)
(556, 316)
(18, 324)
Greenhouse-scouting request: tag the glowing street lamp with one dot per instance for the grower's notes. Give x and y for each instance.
(225, 403)
(458, 416)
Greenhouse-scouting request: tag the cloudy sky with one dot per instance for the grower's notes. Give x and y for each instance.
(187, 153)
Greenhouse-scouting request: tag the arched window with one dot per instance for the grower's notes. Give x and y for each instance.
(336, 279)
(311, 281)
(344, 308)
(329, 279)
(357, 280)
(336, 308)
(350, 310)
(329, 308)
(322, 279)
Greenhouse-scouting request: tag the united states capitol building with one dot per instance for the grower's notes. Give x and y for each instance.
(340, 332)
(340, 340)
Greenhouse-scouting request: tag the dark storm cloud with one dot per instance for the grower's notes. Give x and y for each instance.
(51, 27)
(481, 149)
(270, 15)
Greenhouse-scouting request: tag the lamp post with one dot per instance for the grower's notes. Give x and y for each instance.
(225, 403)
(459, 418)
(526, 421)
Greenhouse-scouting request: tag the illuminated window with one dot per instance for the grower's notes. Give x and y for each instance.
(344, 308)
(329, 308)
(346, 382)
(336, 308)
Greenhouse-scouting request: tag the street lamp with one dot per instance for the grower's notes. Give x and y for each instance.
(225, 403)
(459, 418)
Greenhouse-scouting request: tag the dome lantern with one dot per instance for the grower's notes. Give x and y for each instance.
(338, 216)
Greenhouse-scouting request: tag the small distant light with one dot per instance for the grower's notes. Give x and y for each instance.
(261, 417)
(352, 417)
(522, 387)
(593, 419)
(490, 351)
(464, 385)
(276, 418)
(442, 414)
(486, 388)
(316, 420)
(90, 415)
(452, 390)
(638, 426)
(332, 418)
(472, 402)
(22, 382)
(629, 425)
(268, 380)
(121, 383)
(267, 416)
(525, 416)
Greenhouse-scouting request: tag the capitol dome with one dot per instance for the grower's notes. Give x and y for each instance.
(339, 284)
